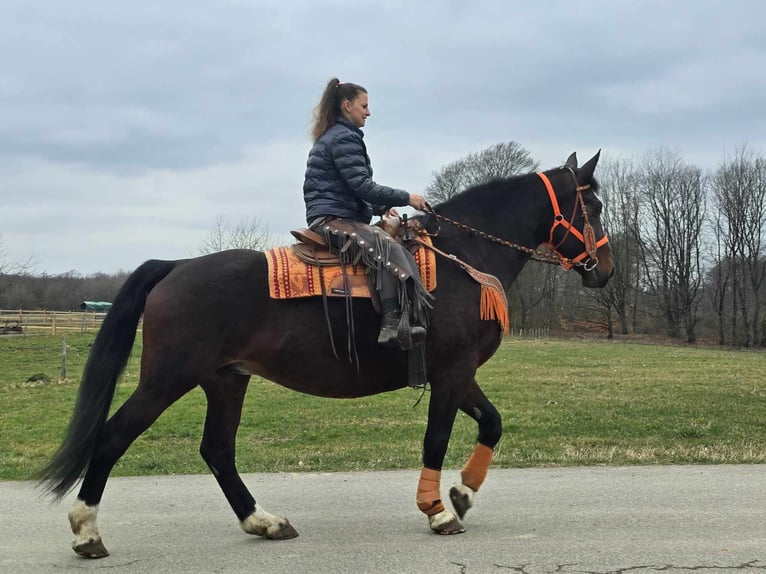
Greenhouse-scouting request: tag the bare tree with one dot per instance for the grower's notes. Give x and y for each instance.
(532, 296)
(739, 188)
(673, 206)
(620, 217)
(497, 161)
(448, 181)
(719, 276)
(247, 234)
(11, 271)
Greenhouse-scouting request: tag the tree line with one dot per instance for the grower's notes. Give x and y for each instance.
(688, 245)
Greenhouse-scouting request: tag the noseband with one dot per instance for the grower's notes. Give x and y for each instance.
(587, 237)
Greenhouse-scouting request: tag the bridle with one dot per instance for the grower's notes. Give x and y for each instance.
(587, 237)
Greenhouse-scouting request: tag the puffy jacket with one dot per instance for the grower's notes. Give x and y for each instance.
(339, 181)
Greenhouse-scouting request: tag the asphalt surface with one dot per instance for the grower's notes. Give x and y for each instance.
(572, 520)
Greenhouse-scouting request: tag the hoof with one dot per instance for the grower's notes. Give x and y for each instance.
(462, 499)
(284, 532)
(91, 549)
(270, 526)
(445, 523)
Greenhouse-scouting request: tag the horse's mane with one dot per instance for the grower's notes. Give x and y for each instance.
(470, 198)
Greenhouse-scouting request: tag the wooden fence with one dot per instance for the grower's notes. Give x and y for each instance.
(24, 322)
(540, 333)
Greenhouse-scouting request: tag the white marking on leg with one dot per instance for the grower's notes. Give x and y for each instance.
(462, 497)
(445, 522)
(466, 491)
(261, 523)
(82, 519)
(439, 519)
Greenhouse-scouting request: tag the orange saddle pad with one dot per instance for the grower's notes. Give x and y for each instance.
(289, 277)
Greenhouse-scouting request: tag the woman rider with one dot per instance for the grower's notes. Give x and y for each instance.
(341, 199)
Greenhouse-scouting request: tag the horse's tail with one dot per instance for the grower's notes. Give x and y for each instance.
(106, 361)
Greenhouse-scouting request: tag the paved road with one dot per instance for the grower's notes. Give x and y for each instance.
(581, 520)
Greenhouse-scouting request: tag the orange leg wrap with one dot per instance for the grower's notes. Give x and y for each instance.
(475, 470)
(429, 499)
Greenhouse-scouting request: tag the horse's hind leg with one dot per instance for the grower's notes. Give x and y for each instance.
(225, 396)
(131, 419)
(477, 406)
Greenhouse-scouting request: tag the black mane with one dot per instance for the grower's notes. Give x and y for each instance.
(482, 194)
(470, 198)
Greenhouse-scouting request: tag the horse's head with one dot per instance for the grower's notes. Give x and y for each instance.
(576, 233)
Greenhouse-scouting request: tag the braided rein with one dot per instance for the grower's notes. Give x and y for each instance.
(550, 257)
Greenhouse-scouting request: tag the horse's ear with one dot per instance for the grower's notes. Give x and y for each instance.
(572, 161)
(585, 173)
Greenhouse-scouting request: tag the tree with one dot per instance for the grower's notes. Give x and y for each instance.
(497, 161)
(62, 292)
(739, 189)
(11, 271)
(247, 234)
(719, 276)
(620, 217)
(673, 205)
(532, 296)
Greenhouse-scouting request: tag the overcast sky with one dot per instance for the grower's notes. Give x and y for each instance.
(128, 128)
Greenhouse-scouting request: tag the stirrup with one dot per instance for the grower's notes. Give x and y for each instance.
(388, 337)
(417, 334)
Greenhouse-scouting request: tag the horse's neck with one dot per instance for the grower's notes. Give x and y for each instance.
(512, 211)
(499, 259)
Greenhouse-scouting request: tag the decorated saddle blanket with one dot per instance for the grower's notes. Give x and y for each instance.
(291, 277)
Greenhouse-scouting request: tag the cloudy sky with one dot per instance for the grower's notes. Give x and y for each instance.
(127, 129)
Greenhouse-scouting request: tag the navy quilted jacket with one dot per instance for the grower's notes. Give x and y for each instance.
(339, 181)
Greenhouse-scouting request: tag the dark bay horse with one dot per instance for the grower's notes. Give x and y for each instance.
(209, 322)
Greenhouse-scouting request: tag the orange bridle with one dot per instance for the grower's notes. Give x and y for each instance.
(587, 237)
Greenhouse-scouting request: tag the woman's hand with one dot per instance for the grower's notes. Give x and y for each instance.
(417, 201)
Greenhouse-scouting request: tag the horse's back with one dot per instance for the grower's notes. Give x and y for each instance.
(209, 292)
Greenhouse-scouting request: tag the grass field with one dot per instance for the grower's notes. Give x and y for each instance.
(564, 402)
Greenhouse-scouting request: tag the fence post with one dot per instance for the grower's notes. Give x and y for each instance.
(63, 357)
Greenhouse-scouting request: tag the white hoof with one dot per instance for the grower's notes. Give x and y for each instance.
(445, 522)
(462, 498)
(87, 542)
(261, 523)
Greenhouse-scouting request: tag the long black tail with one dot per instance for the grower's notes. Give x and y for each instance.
(106, 361)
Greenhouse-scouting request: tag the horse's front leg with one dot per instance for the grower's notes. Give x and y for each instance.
(442, 409)
(477, 406)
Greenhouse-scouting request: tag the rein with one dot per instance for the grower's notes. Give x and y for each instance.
(587, 237)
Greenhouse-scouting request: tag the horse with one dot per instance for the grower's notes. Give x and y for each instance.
(237, 330)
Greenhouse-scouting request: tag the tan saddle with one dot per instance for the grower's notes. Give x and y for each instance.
(312, 247)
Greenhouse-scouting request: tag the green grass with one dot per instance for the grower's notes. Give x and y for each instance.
(564, 402)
